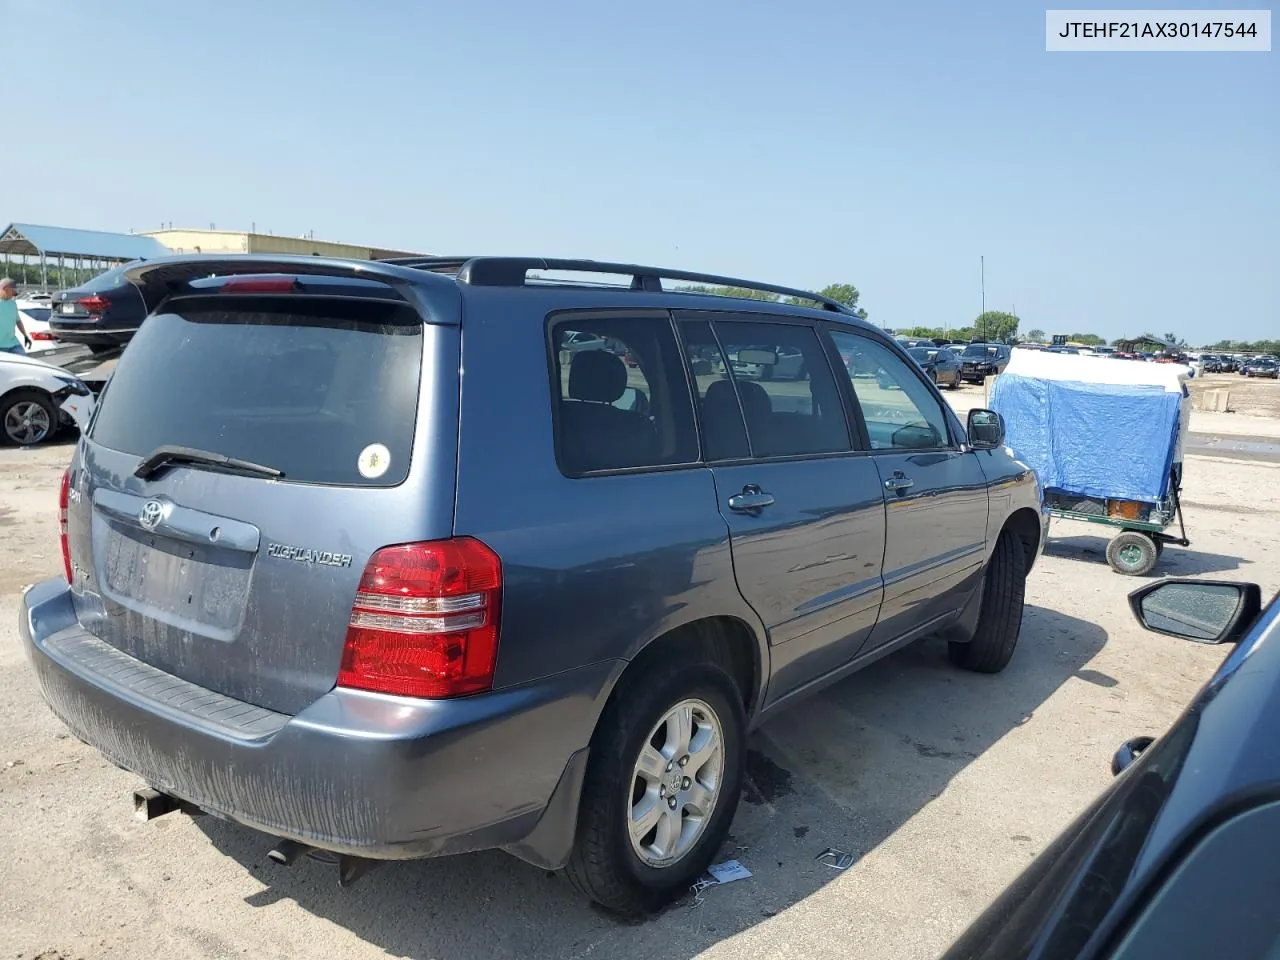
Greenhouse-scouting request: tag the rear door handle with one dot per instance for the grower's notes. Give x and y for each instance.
(899, 482)
(751, 500)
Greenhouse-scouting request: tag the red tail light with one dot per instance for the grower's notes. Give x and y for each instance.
(425, 621)
(42, 335)
(64, 495)
(94, 303)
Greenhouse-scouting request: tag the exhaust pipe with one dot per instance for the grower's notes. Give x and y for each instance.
(287, 852)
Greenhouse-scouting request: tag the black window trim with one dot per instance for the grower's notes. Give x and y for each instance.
(851, 397)
(854, 430)
(586, 314)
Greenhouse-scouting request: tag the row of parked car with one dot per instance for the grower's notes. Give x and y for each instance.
(1267, 366)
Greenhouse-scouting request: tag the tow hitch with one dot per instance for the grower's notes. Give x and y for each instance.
(149, 804)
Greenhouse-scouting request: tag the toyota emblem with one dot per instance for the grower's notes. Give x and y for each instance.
(151, 514)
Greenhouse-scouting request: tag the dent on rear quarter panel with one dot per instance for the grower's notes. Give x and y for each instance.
(593, 568)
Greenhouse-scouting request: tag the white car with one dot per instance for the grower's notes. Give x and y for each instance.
(36, 399)
(34, 315)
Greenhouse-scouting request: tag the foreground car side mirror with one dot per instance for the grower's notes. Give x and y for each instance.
(1206, 611)
(986, 430)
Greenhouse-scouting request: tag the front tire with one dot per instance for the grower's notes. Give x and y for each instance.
(649, 824)
(27, 417)
(1000, 619)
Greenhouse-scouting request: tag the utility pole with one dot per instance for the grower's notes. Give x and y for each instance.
(982, 266)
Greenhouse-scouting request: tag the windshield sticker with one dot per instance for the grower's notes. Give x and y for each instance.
(375, 460)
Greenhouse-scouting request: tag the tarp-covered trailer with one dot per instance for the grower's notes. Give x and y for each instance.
(1105, 439)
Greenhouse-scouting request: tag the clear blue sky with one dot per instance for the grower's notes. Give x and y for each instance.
(887, 145)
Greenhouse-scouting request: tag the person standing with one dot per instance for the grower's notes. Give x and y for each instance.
(9, 317)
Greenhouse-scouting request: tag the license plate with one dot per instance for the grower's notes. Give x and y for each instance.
(68, 308)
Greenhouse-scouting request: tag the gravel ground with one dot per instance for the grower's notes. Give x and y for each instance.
(941, 784)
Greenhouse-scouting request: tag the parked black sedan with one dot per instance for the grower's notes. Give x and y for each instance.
(103, 314)
(982, 360)
(1180, 857)
(942, 366)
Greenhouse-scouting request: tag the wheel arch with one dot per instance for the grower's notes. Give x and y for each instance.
(723, 639)
(1024, 524)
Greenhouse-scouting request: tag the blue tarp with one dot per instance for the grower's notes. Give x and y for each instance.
(1092, 439)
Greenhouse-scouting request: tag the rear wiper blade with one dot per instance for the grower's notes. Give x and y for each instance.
(171, 455)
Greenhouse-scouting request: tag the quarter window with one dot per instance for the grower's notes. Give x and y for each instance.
(622, 400)
(901, 413)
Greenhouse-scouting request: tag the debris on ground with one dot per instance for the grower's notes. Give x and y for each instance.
(836, 859)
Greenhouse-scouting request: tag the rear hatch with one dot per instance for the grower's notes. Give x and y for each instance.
(251, 452)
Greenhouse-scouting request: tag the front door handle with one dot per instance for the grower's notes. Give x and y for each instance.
(899, 482)
(751, 500)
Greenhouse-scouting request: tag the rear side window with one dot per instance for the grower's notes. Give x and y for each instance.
(622, 400)
(324, 390)
(785, 389)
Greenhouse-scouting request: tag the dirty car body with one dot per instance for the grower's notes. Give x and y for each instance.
(380, 608)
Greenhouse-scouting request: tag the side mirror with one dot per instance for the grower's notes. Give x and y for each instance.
(1206, 611)
(986, 430)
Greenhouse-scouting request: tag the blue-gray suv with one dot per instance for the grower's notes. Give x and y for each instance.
(399, 559)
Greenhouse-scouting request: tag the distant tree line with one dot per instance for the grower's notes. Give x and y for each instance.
(1246, 346)
(845, 293)
(992, 325)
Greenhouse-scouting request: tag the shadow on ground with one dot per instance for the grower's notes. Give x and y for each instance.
(844, 769)
(1174, 561)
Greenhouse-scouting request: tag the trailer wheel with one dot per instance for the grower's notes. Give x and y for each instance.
(1132, 553)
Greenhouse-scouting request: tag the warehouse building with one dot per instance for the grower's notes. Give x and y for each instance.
(235, 241)
(44, 258)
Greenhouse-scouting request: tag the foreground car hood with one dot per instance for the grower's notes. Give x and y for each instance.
(8, 360)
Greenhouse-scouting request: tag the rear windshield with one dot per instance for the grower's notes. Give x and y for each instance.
(978, 350)
(105, 281)
(325, 391)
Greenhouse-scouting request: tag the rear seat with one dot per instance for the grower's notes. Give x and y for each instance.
(594, 434)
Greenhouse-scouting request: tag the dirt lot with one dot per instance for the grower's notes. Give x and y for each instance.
(941, 784)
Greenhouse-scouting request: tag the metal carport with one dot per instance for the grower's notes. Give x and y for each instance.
(67, 257)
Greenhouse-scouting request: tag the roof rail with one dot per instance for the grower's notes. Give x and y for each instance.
(513, 272)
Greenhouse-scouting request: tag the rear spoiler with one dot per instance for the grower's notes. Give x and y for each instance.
(163, 277)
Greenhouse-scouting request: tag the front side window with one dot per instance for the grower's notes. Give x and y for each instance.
(621, 397)
(901, 413)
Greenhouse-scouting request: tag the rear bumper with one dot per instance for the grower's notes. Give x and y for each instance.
(91, 333)
(356, 773)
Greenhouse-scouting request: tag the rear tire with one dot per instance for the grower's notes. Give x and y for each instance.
(1000, 619)
(628, 876)
(1132, 553)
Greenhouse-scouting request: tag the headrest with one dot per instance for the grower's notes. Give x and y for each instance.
(755, 399)
(720, 393)
(597, 375)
